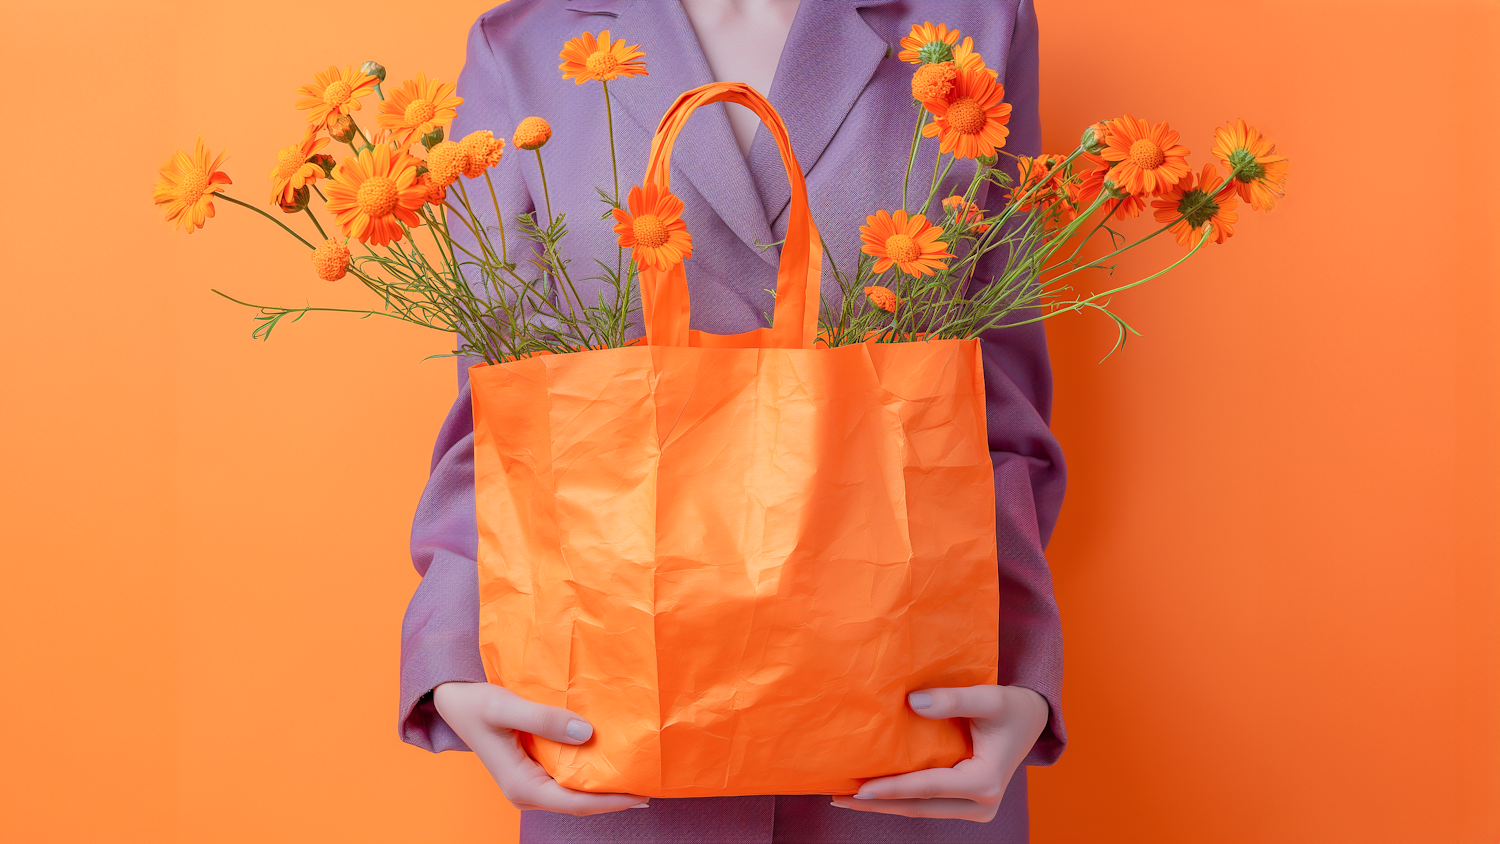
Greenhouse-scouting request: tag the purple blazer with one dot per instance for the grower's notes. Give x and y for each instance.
(846, 100)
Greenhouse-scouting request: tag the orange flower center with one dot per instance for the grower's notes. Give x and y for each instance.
(650, 231)
(337, 93)
(377, 196)
(902, 248)
(1146, 155)
(419, 112)
(288, 162)
(601, 63)
(966, 116)
(194, 183)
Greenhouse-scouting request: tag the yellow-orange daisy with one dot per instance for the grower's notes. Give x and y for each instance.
(479, 151)
(588, 58)
(883, 298)
(187, 186)
(418, 107)
(1147, 159)
(1084, 191)
(1259, 174)
(927, 44)
(333, 94)
(970, 121)
(965, 57)
(370, 196)
(295, 168)
(933, 81)
(968, 214)
(653, 228)
(532, 133)
(331, 260)
(1210, 201)
(911, 243)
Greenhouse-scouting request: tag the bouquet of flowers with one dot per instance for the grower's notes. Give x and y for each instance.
(913, 277)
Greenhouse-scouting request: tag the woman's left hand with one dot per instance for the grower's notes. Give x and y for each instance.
(1004, 721)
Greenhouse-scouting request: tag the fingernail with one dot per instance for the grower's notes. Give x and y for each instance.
(838, 805)
(641, 806)
(919, 700)
(580, 730)
(864, 797)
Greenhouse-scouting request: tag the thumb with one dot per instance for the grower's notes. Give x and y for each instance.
(963, 702)
(508, 710)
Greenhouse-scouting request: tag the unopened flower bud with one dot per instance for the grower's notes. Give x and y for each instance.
(532, 133)
(299, 201)
(987, 160)
(1093, 139)
(433, 138)
(375, 69)
(342, 129)
(325, 162)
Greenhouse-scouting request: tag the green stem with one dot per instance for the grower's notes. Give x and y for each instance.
(545, 195)
(268, 217)
(499, 217)
(314, 218)
(911, 157)
(614, 167)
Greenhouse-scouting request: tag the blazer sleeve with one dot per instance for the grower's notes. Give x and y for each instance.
(440, 633)
(1029, 469)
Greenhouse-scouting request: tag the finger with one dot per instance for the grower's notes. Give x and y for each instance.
(939, 808)
(529, 786)
(967, 702)
(510, 711)
(970, 779)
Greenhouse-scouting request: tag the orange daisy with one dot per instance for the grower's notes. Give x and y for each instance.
(1208, 202)
(1259, 173)
(586, 58)
(965, 57)
(333, 94)
(187, 186)
(1086, 190)
(911, 243)
(883, 298)
(1040, 172)
(331, 260)
(418, 107)
(967, 214)
(970, 121)
(1148, 159)
(933, 81)
(295, 168)
(370, 196)
(479, 151)
(927, 44)
(653, 228)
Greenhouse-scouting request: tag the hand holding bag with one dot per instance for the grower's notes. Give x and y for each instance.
(735, 555)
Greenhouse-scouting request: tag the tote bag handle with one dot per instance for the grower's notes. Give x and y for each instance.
(664, 294)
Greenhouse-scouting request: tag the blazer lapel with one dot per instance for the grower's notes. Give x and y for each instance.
(829, 57)
(708, 156)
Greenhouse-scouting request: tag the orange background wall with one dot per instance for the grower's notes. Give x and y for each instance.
(1277, 562)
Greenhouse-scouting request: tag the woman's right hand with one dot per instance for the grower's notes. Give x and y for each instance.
(487, 718)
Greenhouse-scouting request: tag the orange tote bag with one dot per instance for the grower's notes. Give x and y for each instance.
(735, 555)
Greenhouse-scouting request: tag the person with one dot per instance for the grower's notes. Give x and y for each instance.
(831, 69)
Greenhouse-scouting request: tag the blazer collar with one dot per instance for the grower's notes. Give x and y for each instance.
(829, 57)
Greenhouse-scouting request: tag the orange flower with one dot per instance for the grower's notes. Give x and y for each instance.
(331, 260)
(933, 81)
(912, 244)
(883, 298)
(1209, 202)
(478, 152)
(532, 133)
(928, 44)
(1040, 172)
(967, 214)
(1259, 173)
(295, 168)
(445, 162)
(585, 58)
(187, 186)
(1148, 158)
(1086, 190)
(370, 196)
(332, 94)
(436, 193)
(653, 228)
(418, 107)
(965, 58)
(971, 119)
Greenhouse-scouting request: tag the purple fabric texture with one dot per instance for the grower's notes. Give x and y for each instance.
(846, 100)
